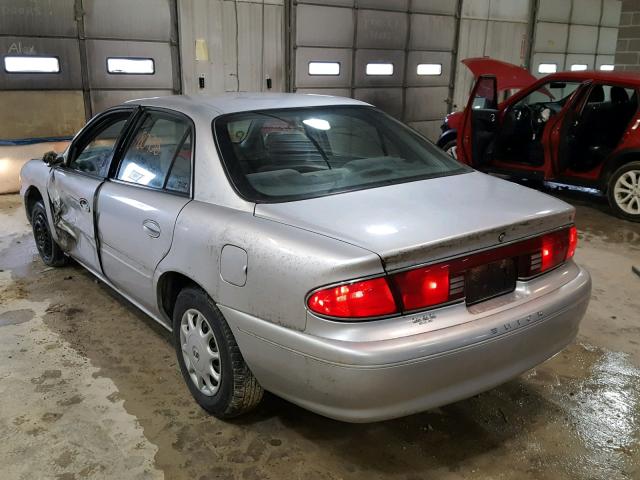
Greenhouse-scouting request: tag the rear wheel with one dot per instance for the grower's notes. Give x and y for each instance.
(624, 191)
(451, 148)
(209, 357)
(50, 252)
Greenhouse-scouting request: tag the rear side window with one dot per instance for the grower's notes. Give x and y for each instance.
(159, 156)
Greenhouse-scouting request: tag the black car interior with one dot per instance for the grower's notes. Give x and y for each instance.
(599, 127)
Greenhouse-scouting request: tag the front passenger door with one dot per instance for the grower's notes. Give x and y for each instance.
(73, 186)
(138, 208)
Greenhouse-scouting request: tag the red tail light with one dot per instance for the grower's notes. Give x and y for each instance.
(369, 298)
(435, 285)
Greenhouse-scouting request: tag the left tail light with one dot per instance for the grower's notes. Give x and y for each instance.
(439, 284)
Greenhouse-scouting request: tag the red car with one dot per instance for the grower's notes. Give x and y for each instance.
(577, 128)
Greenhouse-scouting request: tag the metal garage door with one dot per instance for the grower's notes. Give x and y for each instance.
(396, 55)
(498, 29)
(575, 34)
(56, 56)
(229, 46)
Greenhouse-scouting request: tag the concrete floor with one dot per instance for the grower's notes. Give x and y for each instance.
(89, 388)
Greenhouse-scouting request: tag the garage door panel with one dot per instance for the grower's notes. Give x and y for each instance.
(582, 39)
(274, 46)
(426, 103)
(443, 59)
(386, 99)
(30, 18)
(306, 55)
(324, 26)
(555, 58)
(551, 37)
(400, 5)
(250, 41)
(377, 29)
(103, 99)
(554, 11)
(512, 10)
(99, 50)
(586, 12)
(65, 49)
(611, 13)
(444, 7)
(607, 40)
(573, 59)
(139, 20)
(604, 60)
(507, 41)
(365, 57)
(432, 32)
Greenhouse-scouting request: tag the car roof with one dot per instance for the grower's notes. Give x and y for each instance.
(599, 75)
(214, 106)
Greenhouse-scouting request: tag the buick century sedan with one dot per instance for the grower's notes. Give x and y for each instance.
(313, 247)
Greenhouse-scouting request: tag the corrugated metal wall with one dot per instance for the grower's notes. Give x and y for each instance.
(81, 34)
(212, 32)
(378, 33)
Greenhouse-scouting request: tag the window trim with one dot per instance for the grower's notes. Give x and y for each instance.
(89, 130)
(31, 72)
(153, 64)
(324, 74)
(144, 110)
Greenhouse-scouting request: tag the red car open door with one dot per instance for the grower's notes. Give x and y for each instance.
(480, 123)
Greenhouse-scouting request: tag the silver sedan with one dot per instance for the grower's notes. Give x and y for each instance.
(313, 247)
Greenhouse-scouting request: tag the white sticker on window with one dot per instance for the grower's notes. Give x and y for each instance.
(379, 69)
(429, 69)
(324, 68)
(134, 66)
(31, 64)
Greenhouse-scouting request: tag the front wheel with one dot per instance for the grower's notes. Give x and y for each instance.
(624, 191)
(50, 252)
(451, 148)
(209, 357)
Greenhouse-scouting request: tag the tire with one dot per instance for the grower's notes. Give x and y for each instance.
(623, 191)
(50, 252)
(236, 391)
(450, 148)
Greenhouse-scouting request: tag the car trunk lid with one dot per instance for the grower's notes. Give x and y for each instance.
(427, 221)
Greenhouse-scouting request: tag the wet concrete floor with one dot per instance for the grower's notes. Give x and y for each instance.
(89, 388)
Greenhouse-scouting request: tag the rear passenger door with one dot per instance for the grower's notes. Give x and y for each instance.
(138, 206)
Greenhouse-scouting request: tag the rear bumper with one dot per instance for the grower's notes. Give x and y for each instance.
(362, 381)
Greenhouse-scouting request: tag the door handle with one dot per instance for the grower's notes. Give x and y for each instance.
(84, 204)
(151, 228)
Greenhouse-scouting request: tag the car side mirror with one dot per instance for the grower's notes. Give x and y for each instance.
(52, 158)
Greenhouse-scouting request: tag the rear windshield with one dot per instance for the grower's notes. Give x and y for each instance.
(292, 154)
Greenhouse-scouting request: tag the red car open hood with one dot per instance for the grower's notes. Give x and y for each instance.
(508, 75)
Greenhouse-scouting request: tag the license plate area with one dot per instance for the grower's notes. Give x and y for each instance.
(490, 280)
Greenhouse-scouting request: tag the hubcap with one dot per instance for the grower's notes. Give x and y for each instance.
(626, 192)
(200, 352)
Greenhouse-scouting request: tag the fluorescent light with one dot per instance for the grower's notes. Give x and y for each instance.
(379, 69)
(324, 68)
(136, 66)
(317, 123)
(31, 64)
(429, 69)
(607, 68)
(579, 67)
(548, 68)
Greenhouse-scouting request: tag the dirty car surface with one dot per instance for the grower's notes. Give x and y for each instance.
(312, 247)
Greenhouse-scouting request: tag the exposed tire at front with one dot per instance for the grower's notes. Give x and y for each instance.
(50, 252)
(451, 148)
(623, 191)
(209, 357)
